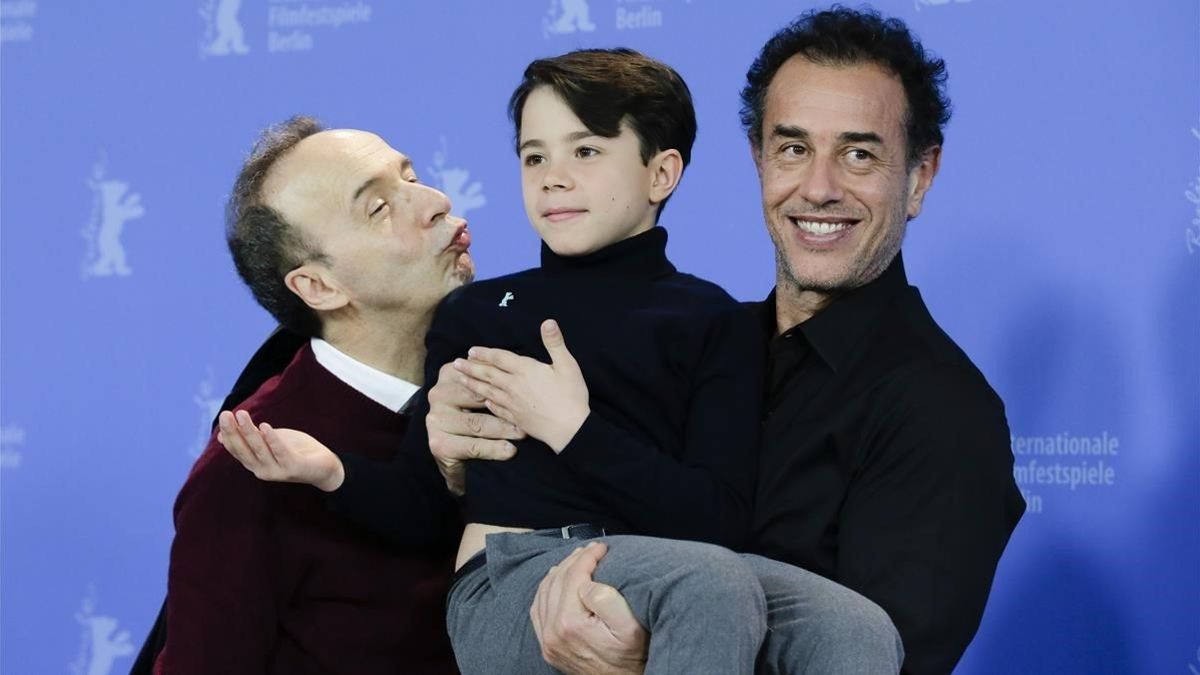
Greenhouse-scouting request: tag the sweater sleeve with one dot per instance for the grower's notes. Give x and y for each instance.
(405, 500)
(705, 493)
(220, 609)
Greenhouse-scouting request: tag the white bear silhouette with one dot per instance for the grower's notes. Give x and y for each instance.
(567, 16)
(106, 647)
(230, 36)
(116, 208)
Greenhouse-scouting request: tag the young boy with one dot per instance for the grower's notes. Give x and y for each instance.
(659, 440)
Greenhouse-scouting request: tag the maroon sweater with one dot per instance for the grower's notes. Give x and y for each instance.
(265, 579)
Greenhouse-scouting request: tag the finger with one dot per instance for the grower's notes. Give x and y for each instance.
(253, 437)
(450, 448)
(561, 592)
(240, 446)
(274, 443)
(449, 391)
(482, 371)
(486, 391)
(502, 359)
(500, 412)
(609, 607)
(480, 425)
(556, 344)
(229, 437)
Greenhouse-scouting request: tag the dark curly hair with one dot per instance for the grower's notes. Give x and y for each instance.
(265, 247)
(841, 36)
(605, 87)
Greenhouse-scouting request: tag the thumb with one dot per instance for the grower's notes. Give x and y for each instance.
(556, 346)
(609, 606)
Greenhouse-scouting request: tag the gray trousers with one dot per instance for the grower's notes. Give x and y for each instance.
(707, 610)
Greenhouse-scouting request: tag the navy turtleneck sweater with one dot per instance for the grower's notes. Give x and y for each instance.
(674, 369)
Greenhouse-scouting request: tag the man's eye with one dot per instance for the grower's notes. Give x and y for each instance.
(858, 155)
(378, 208)
(794, 150)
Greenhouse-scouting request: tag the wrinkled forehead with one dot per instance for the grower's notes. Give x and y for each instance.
(853, 94)
(324, 171)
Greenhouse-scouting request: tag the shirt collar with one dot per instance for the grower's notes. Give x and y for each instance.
(640, 257)
(387, 390)
(835, 331)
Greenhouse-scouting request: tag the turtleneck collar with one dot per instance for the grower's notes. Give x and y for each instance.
(639, 258)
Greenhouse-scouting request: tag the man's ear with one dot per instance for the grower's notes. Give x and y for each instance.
(666, 168)
(920, 179)
(313, 284)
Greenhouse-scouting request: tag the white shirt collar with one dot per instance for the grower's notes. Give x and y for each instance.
(387, 390)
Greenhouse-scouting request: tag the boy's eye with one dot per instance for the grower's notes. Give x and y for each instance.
(532, 160)
(586, 151)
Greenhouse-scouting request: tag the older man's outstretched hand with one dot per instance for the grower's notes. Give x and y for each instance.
(279, 455)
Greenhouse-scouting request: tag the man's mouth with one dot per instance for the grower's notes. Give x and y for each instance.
(558, 215)
(822, 226)
(461, 241)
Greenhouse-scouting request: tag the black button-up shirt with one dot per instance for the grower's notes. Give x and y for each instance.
(886, 464)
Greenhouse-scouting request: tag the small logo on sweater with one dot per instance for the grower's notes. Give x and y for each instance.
(507, 296)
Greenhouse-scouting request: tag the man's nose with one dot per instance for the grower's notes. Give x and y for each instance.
(438, 207)
(821, 183)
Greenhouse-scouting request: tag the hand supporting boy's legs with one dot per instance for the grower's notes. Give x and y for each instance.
(586, 627)
(702, 603)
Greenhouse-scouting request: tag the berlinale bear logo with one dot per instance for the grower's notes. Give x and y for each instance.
(567, 16)
(223, 34)
(113, 205)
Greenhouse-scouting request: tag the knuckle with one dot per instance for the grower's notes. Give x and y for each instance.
(436, 443)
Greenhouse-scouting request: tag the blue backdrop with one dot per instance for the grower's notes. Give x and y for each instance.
(1060, 247)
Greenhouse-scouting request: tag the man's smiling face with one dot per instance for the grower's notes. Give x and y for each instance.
(836, 188)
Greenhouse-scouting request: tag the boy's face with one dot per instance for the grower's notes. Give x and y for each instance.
(582, 191)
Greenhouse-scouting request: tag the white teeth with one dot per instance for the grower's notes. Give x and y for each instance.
(813, 227)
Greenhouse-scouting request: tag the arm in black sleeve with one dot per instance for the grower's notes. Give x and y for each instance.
(931, 510)
(405, 500)
(704, 494)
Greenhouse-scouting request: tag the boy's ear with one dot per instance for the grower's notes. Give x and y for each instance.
(313, 284)
(666, 168)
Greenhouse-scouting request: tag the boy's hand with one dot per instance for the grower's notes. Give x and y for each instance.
(279, 455)
(546, 401)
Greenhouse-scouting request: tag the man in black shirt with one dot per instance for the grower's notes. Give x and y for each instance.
(885, 463)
